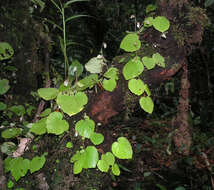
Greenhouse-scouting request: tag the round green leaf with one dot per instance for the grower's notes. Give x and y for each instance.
(148, 21)
(3, 106)
(111, 73)
(116, 170)
(39, 127)
(85, 128)
(48, 93)
(133, 68)
(11, 133)
(91, 157)
(69, 145)
(46, 112)
(10, 184)
(159, 59)
(4, 86)
(8, 148)
(95, 65)
(147, 104)
(136, 86)
(150, 8)
(122, 148)
(103, 166)
(130, 43)
(96, 138)
(72, 104)
(109, 158)
(55, 124)
(148, 62)
(6, 51)
(109, 84)
(161, 23)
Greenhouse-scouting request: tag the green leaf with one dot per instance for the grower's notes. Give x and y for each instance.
(18, 110)
(46, 112)
(10, 184)
(8, 148)
(3, 106)
(136, 86)
(122, 148)
(148, 21)
(159, 60)
(96, 138)
(55, 124)
(91, 157)
(133, 68)
(109, 158)
(150, 8)
(11, 133)
(146, 104)
(87, 82)
(4, 86)
(116, 170)
(148, 62)
(109, 84)
(69, 145)
(39, 128)
(161, 187)
(103, 166)
(95, 65)
(75, 69)
(72, 1)
(19, 167)
(48, 93)
(6, 51)
(161, 23)
(111, 73)
(130, 43)
(30, 109)
(74, 17)
(148, 92)
(72, 104)
(37, 163)
(77, 168)
(85, 128)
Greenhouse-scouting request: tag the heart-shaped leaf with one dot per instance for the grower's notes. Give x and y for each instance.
(130, 43)
(161, 23)
(37, 163)
(72, 104)
(136, 86)
(6, 51)
(122, 148)
(55, 124)
(109, 84)
(111, 73)
(85, 128)
(148, 62)
(11, 133)
(96, 138)
(147, 104)
(103, 166)
(133, 68)
(159, 59)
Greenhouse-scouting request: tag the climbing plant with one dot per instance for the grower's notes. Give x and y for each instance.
(70, 98)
